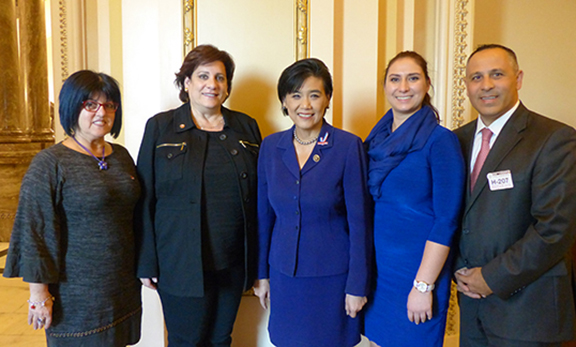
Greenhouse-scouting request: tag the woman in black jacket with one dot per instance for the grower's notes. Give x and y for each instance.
(196, 219)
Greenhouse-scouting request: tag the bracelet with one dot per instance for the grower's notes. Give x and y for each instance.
(42, 303)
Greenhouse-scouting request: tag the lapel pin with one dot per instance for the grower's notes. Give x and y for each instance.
(182, 126)
(323, 141)
(316, 158)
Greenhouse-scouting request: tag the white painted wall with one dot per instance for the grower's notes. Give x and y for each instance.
(151, 47)
(152, 41)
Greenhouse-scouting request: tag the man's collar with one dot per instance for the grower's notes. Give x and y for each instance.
(497, 125)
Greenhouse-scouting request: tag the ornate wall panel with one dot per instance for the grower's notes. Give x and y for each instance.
(454, 32)
(302, 35)
(301, 26)
(189, 25)
(63, 34)
(454, 25)
(461, 51)
(69, 38)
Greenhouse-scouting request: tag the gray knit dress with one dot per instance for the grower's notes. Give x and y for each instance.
(74, 231)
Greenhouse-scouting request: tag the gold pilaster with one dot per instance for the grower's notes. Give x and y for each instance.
(12, 121)
(25, 124)
(62, 14)
(34, 62)
(189, 23)
(461, 50)
(301, 29)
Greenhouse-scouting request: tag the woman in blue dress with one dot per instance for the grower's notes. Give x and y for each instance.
(416, 178)
(314, 219)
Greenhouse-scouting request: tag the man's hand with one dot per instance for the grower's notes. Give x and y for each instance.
(471, 283)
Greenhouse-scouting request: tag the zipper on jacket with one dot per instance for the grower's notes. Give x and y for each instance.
(244, 143)
(182, 145)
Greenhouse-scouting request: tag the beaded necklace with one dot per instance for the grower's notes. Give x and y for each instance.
(304, 143)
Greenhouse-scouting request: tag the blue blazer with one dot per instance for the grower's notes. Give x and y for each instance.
(316, 221)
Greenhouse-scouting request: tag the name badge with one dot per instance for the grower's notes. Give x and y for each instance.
(500, 180)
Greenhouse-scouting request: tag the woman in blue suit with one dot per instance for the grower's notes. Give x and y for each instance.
(315, 219)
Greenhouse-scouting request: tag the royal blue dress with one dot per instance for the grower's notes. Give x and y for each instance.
(418, 200)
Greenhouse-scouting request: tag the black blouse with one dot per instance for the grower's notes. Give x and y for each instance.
(222, 218)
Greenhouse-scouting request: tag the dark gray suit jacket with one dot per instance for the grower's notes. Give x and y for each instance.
(522, 237)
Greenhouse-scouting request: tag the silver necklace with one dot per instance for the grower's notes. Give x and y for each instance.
(304, 143)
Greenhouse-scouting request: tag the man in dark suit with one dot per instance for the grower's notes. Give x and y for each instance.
(514, 262)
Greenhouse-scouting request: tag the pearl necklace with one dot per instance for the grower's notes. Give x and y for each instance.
(304, 143)
(102, 164)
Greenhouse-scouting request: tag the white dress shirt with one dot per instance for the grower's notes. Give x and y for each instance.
(495, 127)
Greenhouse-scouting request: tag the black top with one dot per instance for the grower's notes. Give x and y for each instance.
(222, 219)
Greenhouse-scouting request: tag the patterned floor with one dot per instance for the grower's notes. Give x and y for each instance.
(14, 331)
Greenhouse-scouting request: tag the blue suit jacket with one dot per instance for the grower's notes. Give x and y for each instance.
(316, 221)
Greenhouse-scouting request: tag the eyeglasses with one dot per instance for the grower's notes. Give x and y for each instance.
(94, 106)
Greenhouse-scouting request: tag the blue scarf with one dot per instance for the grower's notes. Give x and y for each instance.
(387, 149)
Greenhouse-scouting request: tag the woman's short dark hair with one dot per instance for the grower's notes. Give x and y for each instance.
(201, 55)
(420, 61)
(81, 86)
(294, 76)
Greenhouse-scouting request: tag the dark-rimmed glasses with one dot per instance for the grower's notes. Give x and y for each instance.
(94, 106)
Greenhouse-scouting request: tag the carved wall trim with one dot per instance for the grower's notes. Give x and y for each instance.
(62, 15)
(302, 33)
(454, 31)
(452, 326)
(189, 20)
(454, 34)
(189, 25)
(461, 51)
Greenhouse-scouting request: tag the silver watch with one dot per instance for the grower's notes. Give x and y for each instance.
(423, 287)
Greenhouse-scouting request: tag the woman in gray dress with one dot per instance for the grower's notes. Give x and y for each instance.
(73, 239)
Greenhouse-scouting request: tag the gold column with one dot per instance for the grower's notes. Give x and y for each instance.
(25, 124)
(12, 120)
(34, 63)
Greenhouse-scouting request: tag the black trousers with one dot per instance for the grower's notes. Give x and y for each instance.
(474, 334)
(206, 321)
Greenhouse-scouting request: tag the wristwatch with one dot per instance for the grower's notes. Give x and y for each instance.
(423, 287)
